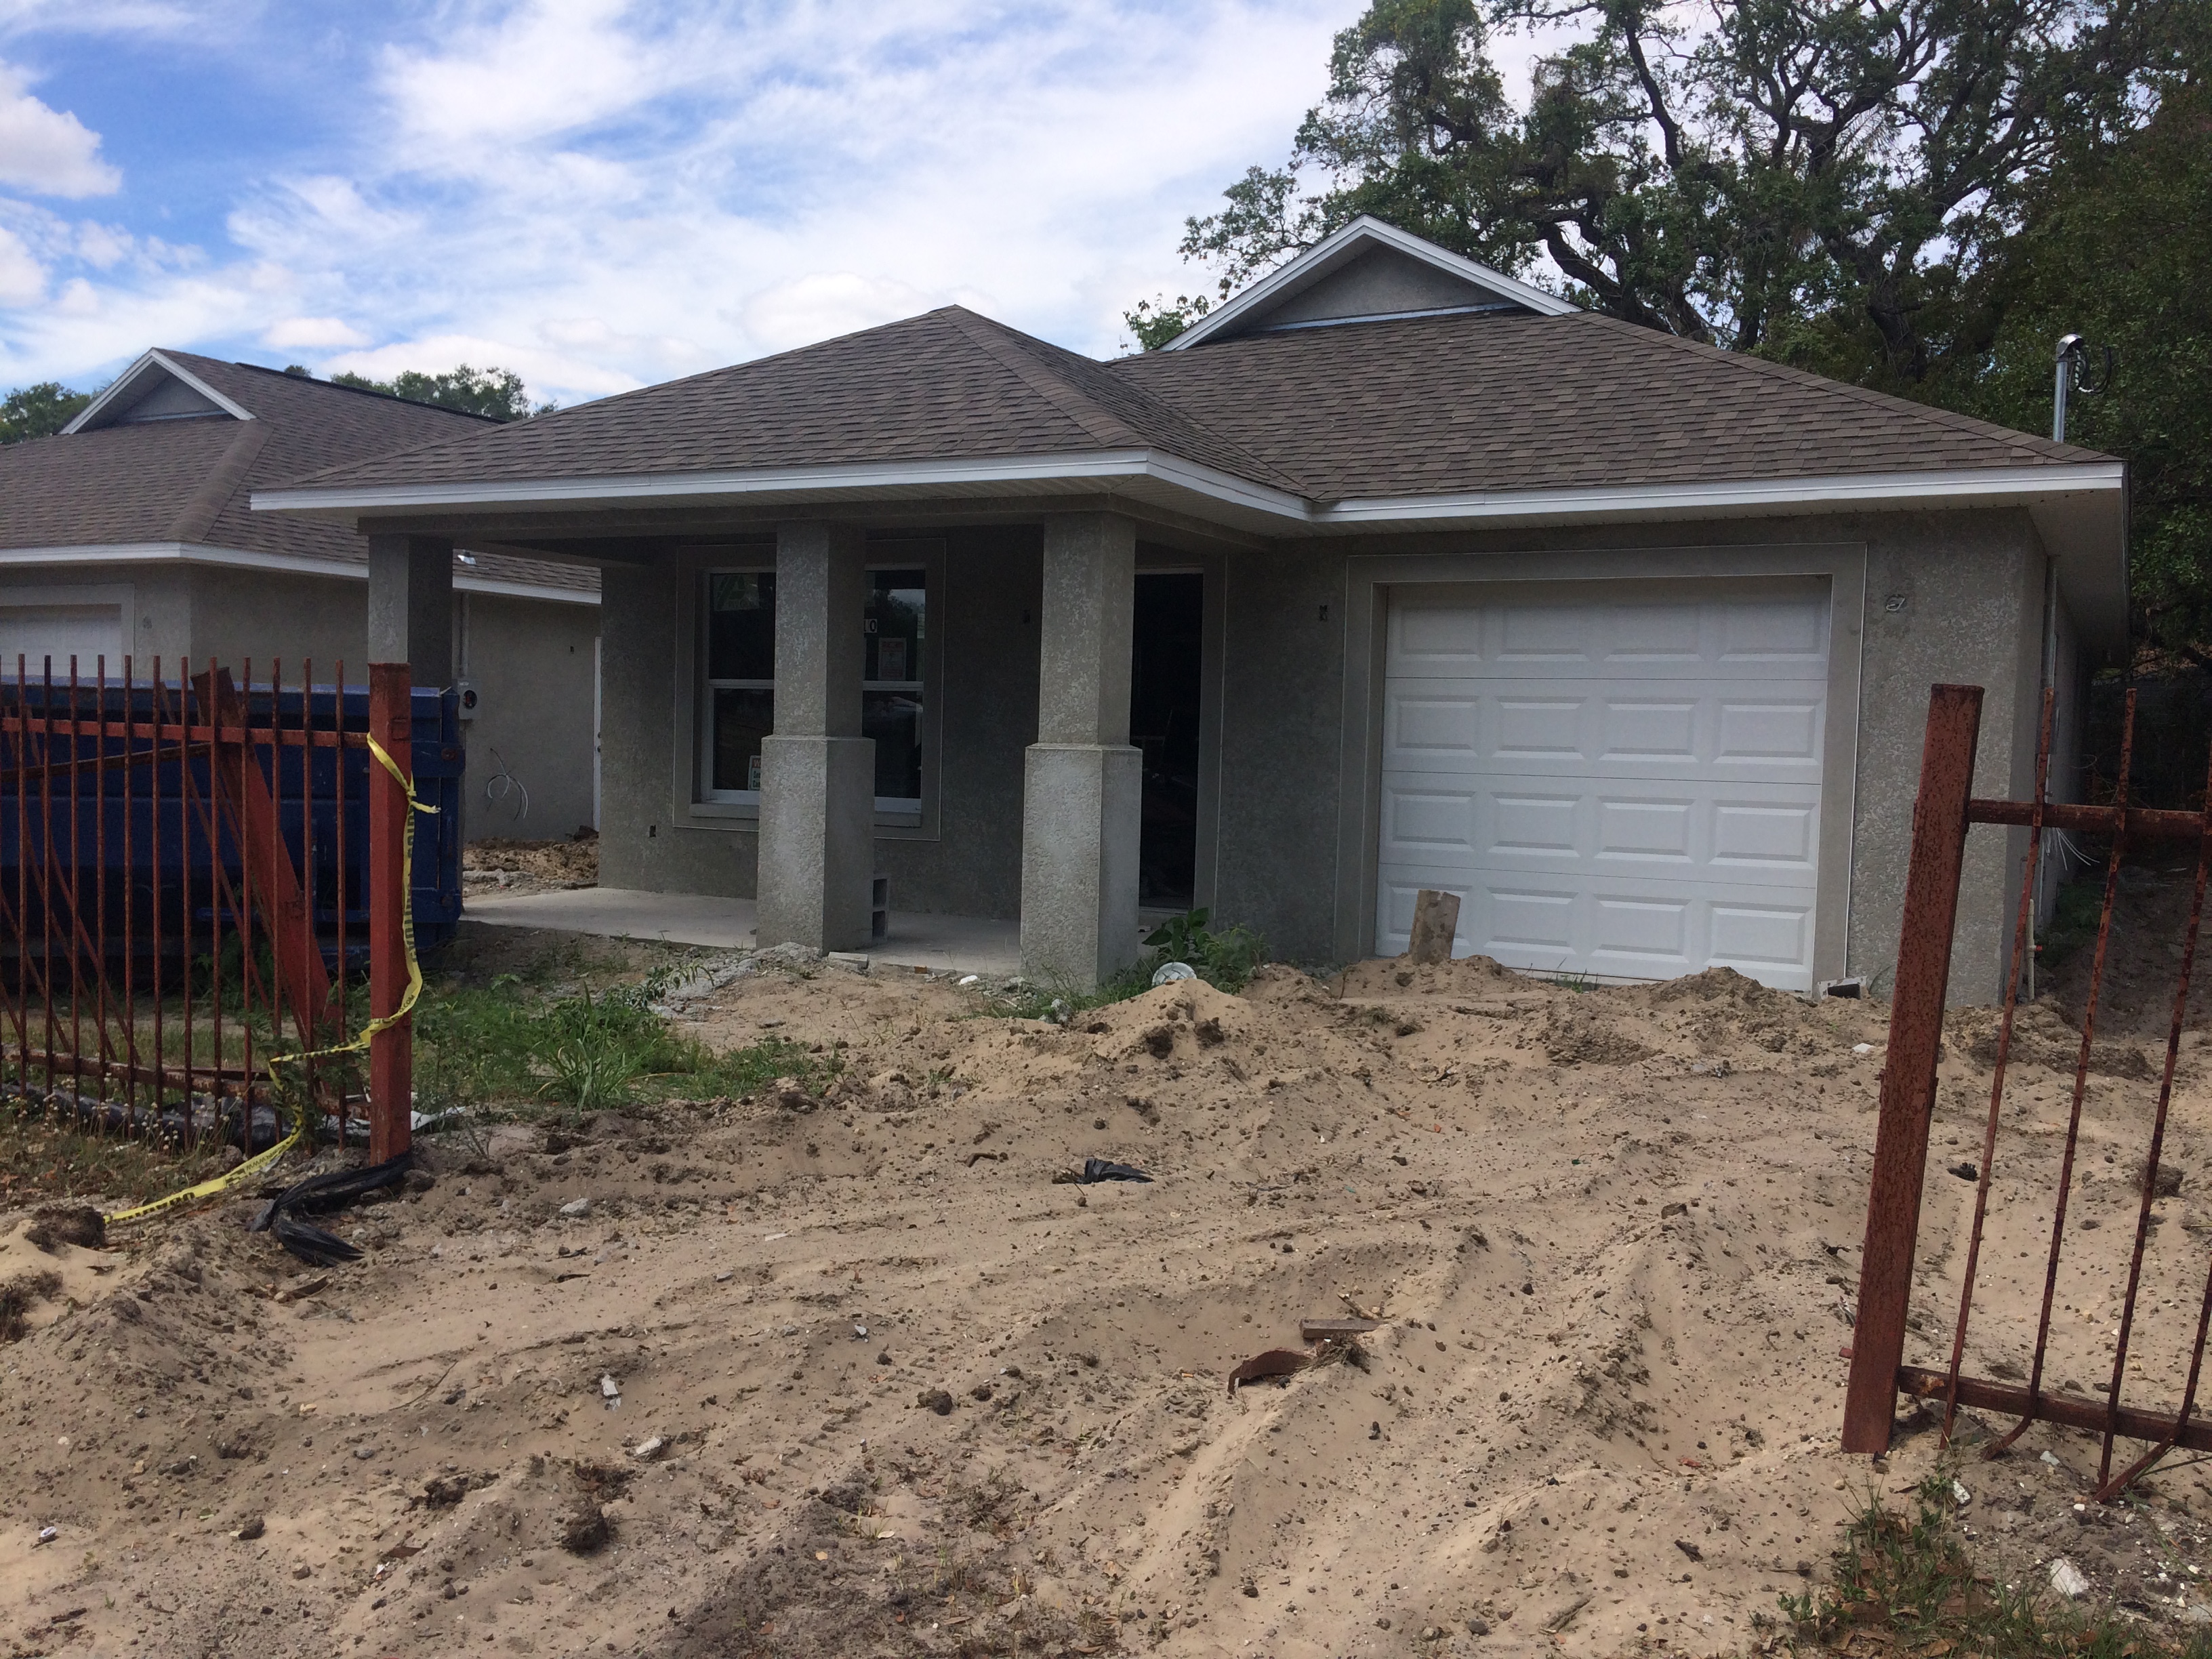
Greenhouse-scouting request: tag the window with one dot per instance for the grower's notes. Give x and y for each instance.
(892, 701)
(740, 691)
(737, 710)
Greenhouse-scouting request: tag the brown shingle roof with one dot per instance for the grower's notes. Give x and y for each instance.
(188, 481)
(1441, 404)
(1429, 405)
(947, 385)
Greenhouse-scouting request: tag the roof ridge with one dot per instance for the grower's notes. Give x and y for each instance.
(998, 342)
(197, 516)
(1887, 401)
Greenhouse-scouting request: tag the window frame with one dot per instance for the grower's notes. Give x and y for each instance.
(704, 791)
(692, 805)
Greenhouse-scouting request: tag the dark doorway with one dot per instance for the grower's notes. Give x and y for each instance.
(1163, 697)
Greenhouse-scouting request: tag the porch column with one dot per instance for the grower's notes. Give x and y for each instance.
(817, 773)
(410, 605)
(1082, 783)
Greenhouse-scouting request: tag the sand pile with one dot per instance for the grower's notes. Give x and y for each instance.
(860, 1377)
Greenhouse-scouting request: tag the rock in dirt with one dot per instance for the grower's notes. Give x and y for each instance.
(934, 1399)
(584, 1527)
(575, 1209)
(2067, 1580)
(251, 1528)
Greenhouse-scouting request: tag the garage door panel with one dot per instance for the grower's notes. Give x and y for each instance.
(1612, 930)
(1712, 731)
(1760, 834)
(1623, 789)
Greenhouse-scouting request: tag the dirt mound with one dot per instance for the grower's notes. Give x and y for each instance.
(865, 1378)
(2043, 1035)
(1462, 976)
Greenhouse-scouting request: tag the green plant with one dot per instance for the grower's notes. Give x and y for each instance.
(1225, 959)
(1908, 1576)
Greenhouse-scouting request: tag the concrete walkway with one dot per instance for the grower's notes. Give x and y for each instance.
(969, 944)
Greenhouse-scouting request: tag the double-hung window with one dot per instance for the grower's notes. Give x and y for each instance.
(891, 686)
(737, 608)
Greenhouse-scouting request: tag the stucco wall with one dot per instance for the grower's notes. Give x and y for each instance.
(531, 662)
(1947, 597)
(983, 621)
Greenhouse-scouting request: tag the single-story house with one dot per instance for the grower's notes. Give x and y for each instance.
(1392, 573)
(129, 534)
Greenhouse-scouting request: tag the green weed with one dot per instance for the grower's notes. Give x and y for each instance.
(1907, 1579)
(1226, 959)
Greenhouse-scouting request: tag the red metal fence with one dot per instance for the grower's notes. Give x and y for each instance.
(1943, 814)
(191, 870)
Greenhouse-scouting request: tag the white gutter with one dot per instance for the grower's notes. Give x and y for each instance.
(1291, 512)
(232, 558)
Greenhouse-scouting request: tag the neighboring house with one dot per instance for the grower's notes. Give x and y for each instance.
(129, 534)
(1393, 572)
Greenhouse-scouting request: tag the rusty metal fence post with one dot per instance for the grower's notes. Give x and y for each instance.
(392, 1051)
(1908, 1079)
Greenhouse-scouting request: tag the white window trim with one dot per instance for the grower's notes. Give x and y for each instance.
(704, 736)
(691, 806)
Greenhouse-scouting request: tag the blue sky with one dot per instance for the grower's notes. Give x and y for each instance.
(600, 195)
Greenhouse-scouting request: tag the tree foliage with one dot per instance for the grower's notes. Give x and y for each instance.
(38, 411)
(496, 393)
(1916, 195)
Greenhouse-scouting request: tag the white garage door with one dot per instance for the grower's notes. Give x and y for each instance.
(37, 632)
(1625, 787)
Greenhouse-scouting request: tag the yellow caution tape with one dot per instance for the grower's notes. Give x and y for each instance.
(267, 1159)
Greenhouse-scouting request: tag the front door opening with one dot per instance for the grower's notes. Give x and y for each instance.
(1164, 696)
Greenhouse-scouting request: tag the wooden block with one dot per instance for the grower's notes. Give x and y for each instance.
(1319, 1330)
(1435, 923)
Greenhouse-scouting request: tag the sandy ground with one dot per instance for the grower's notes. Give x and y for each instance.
(500, 864)
(881, 1386)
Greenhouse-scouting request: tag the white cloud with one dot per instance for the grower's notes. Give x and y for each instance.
(22, 278)
(598, 194)
(313, 331)
(47, 151)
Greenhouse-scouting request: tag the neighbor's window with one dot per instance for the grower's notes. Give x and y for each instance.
(740, 699)
(890, 684)
(740, 607)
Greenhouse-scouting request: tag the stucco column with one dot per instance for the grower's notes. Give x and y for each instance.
(410, 605)
(1083, 784)
(817, 773)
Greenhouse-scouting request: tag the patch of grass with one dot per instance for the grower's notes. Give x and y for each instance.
(42, 1158)
(508, 1043)
(1905, 1580)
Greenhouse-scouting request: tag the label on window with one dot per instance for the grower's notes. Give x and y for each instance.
(891, 658)
(752, 772)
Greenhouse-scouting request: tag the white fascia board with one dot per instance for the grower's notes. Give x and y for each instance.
(512, 590)
(1339, 244)
(236, 558)
(126, 384)
(1098, 469)
(1888, 490)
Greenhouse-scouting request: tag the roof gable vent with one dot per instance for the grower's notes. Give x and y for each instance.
(156, 387)
(1366, 272)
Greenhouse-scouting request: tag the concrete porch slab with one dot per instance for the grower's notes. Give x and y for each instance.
(967, 944)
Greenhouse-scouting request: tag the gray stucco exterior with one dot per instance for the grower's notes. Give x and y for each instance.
(532, 659)
(1916, 598)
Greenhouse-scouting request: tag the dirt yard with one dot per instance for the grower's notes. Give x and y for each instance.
(684, 1385)
(499, 864)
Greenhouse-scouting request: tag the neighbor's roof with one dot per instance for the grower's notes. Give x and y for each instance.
(188, 480)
